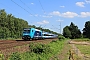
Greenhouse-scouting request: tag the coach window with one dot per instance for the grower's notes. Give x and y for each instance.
(32, 30)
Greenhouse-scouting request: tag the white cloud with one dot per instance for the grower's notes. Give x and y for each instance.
(66, 14)
(36, 15)
(43, 22)
(87, 1)
(69, 14)
(57, 13)
(47, 16)
(85, 14)
(80, 4)
(62, 6)
(32, 3)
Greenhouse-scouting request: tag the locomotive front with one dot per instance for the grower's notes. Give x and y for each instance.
(26, 33)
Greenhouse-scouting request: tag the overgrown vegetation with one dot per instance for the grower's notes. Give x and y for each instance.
(1, 57)
(61, 37)
(15, 56)
(41, 51)
(44, 52)
(40, 48)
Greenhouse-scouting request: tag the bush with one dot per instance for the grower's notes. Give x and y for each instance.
(61, 37)
(15, 56)
(1, 57)
(43, 51)
(40, 48)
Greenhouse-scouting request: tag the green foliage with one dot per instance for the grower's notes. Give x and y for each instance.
(39, 48)
(82, 39)
(1, 57)
(42, 51)
(11, 27)
(61, 38)
(86, 30)
(72, 31)
(66, 32)
(15, 56)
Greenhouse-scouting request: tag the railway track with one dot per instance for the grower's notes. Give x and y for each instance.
(7, 47)
(12, 43)
(5, 44)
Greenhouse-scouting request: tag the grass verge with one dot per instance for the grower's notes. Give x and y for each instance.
(42, 51)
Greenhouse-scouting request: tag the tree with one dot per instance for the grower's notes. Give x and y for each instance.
(10, 26)
(66, 32)
(86, 30)
(2, 18)
(72, 31)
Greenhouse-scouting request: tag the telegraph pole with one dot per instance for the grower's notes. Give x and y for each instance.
(60, 25)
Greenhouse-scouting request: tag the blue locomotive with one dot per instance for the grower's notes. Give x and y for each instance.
(32, 33)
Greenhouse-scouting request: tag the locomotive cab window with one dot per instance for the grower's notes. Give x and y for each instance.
(26, 31)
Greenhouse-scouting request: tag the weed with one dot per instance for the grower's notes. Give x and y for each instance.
(15, 56)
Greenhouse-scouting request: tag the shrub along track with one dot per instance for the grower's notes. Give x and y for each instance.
(9, 46)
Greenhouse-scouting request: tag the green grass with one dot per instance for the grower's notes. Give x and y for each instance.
(85, 49)
(54, 48)
(11, 39)
(42, 51)
(82, 39)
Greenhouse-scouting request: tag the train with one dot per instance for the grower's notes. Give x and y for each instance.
(33, 34)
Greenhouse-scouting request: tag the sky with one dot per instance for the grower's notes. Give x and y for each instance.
(51, 14)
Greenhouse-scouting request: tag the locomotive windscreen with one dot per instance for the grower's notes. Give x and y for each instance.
(26, 30)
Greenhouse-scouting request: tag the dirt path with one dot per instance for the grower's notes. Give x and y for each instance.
(76, 53)
(81, 43)
(63, 54)
(71, 52)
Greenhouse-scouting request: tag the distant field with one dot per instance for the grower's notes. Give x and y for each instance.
(82, 39)
(85, 49)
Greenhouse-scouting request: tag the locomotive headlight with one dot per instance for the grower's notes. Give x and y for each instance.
(22, 37)
(28, 37)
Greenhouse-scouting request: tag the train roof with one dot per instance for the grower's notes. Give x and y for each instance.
(37, 30)
(32, 28)
(48, 33)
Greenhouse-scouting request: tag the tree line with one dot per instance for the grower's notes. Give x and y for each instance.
(73, 32)
(12, 27)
